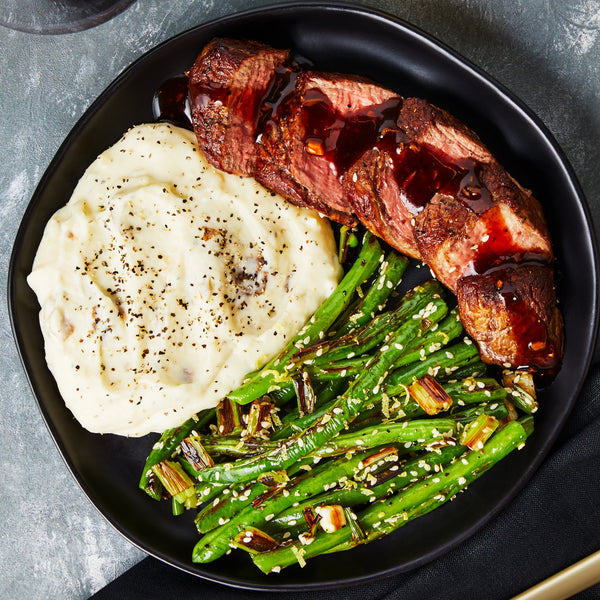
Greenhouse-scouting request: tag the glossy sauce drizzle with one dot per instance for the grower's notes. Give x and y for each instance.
(420, 171)
(171, 102)
(341, 139)
(531, 333)
(498, 246)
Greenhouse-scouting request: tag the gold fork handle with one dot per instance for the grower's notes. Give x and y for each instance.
(566, 583)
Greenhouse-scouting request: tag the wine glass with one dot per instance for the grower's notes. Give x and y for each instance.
(58, 16)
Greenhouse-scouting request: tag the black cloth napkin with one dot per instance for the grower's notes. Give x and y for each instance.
(553, 522)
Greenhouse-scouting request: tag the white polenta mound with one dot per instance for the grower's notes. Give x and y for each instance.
(163, 282)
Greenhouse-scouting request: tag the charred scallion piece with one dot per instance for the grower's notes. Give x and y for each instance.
(478, 431)
(168, 443)
(430, 395)
(305, 394)
(522, 399)
(195, 453)
(176, 482)
(229, 417)
(253, 540)
(259, 422)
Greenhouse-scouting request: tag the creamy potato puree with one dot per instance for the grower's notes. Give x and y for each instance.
(163, 282)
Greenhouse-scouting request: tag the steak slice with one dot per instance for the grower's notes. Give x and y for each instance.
(511, 314)
(487, 222)
(378, 201)
(427, 124)
(227, 86)
(315, 131)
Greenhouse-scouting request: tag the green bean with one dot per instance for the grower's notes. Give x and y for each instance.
(473, 367)
(441, 364)
(372, 333)
(418, 430)
(495, 409)
(387, 279)
(447, 330)
(472, 390)
(409, 472)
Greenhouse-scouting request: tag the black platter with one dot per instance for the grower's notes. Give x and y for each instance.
(394, 54)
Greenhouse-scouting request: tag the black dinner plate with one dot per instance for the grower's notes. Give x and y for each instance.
(353, 40)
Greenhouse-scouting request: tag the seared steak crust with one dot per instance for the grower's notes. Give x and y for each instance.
(409, 171)
(425, 123)
(376, 198)
(511, 313)
(228, 84)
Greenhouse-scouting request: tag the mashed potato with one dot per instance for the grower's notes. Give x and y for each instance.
(163, 282)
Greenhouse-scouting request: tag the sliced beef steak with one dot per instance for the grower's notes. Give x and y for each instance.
(511, 313)
(227, 87)
(425, 123)
(409, 171)
(315, 132)
(379, 202)
(481, 227)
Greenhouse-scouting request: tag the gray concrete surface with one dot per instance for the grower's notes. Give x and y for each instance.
(53, 542)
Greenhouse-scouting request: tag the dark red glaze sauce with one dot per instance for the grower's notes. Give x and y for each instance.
(247, 102)
(536, 346)
(420, 171)
(342, 139)
(170, 102)
(498, 247)
(278, 98)
(205, 94)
